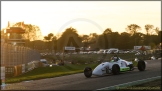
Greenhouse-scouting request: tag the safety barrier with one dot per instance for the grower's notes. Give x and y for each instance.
(16, 55)
(23, 68)
(16, 60)
(11, 71)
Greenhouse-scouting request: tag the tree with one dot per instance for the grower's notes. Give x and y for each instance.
(100, 42)
(32, 32)
(85, 38)
(114, 38)
(159, 36)
(126, 40)
(49, 37)
(3, 34)
(133, 29)
(51, 41)
(93, 37)
(139, 38)
(107, 37)
(90, 40)
(69, 37)
(107, 31)
(148, 29)
(157, 30)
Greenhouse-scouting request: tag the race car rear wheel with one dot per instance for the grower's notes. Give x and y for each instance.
(88, 72)
(141, 65)
(115, 69)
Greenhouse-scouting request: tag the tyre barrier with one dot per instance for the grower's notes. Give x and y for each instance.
(18, 70)
(7, 72)
(11, 71)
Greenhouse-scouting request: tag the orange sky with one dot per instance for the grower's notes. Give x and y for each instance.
(85, 16)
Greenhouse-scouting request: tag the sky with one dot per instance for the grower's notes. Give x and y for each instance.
(85, 16)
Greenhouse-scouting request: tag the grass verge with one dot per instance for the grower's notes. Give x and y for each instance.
(49, 72)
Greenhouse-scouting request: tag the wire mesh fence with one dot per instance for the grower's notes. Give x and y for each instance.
(12, 55)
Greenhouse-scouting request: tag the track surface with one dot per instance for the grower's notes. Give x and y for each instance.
(80, 82)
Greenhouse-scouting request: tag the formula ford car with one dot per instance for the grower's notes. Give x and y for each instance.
(114, 67)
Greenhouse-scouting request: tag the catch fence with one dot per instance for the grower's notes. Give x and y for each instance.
(16, 60)
(12, 55)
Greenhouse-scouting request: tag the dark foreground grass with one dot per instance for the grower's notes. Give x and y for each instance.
(152, 86)
(49, 72)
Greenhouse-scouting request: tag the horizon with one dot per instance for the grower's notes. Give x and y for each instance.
(85, 16)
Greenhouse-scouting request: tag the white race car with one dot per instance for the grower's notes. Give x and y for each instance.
(114, 67)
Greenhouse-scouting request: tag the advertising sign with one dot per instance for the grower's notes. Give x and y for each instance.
(69, 48)
(142, 47)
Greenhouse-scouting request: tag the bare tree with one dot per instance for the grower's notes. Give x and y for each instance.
(133, 29)
(157, 30)
(149, 29)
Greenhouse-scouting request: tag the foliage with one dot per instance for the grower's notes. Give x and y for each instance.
(69, 37)
(51, 41)
(148, 29)
(32, 32)
(108, 39)
(133, 29)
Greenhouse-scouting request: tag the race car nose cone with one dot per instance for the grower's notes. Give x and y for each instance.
(100, 69)
(97, 72)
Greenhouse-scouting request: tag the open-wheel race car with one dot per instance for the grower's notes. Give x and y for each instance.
(114, 67)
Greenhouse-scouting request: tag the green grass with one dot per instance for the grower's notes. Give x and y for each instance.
(48, 72)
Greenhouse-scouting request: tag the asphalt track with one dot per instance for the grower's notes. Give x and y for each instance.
(80, 82)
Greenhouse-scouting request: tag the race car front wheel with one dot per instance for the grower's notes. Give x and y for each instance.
(88, 72)
(141, 65)
(115, 69)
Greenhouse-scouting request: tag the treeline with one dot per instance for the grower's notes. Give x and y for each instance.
(108, 39)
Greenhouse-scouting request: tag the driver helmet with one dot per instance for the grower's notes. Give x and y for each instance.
(115, 58)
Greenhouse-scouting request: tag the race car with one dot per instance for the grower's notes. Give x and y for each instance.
(114, 67)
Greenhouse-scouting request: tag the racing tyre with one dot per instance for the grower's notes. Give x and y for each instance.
(115, 69)
(88, 72)
(141, 65)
